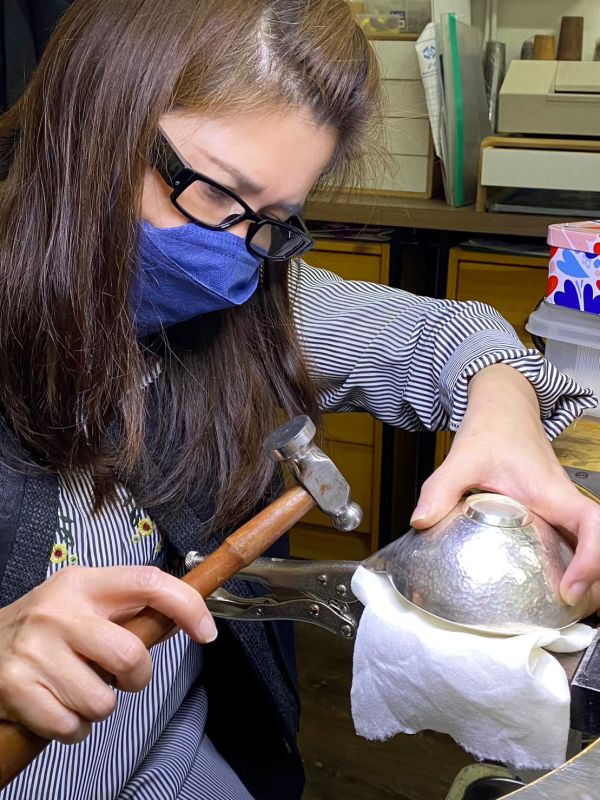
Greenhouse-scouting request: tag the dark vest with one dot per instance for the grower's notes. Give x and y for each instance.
(249, 671)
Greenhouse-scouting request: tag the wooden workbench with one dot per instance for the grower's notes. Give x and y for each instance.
(579, 445)
(578, 779)
(398, 212)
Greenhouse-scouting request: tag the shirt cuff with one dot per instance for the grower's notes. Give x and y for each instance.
(562, 400)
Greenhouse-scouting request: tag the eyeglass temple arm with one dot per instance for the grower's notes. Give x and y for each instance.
(165, 159)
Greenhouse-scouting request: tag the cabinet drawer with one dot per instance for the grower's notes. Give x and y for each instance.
(352, 440)
(355, 462)
(512, 290)
(407, 137)
(356, 427)
(326, 543)
(351, 266)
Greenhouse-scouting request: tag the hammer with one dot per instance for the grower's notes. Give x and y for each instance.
(321, 485)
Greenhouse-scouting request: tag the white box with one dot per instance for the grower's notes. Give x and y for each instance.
(572, 344)
(409, 170)
(404, 99)
(397, 60)
(527, 168)
(406, 137)
(409, 174)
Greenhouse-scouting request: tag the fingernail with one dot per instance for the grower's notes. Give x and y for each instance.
(207, 630)
(420, 512)
(575, 593)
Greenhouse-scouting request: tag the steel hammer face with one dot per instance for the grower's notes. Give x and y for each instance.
(293, 443)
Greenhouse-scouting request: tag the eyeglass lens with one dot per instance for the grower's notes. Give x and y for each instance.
(210, 206)
(271, 241)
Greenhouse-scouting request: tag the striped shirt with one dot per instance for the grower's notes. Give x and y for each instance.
(407, 360)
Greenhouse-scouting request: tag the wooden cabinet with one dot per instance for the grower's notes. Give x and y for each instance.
(511, 284)
(353, 440)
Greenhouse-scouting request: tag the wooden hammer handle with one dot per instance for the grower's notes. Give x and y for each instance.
(19, 746)
(237, 551)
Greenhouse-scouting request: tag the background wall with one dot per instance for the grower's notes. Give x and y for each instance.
(520, 19)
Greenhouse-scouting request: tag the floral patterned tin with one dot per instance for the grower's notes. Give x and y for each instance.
(574, 272)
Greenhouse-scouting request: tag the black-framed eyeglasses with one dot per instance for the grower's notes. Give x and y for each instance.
(211, 205)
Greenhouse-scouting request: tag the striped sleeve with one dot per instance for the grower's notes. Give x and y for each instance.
(408, 359)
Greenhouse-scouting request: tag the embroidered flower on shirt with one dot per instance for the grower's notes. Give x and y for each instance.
(63, 551)
(145, 526)
(59, 553)
(142, 525)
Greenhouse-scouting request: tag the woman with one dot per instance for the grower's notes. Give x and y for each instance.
(153, 174)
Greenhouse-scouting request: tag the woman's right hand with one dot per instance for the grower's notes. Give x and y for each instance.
(51, 637)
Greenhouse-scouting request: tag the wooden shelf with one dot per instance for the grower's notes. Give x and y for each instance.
(433, 214)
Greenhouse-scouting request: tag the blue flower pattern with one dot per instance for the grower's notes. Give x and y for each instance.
(576, 271)
(569, 298)
(569, 265)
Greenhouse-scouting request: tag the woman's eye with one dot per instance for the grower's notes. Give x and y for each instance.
(216, 194)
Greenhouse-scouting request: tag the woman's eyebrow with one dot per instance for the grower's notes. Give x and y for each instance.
(245, 185)
(242, 183)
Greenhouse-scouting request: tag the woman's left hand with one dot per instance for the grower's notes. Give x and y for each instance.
(502, 447)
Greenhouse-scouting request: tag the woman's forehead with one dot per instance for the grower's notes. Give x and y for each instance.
(275, 151)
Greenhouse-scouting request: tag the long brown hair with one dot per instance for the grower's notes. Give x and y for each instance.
(73, 153)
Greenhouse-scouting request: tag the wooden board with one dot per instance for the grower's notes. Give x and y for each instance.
(362, 208)
(579, 445)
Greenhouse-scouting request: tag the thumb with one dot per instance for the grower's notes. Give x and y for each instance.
(439, 494)
(584, 570)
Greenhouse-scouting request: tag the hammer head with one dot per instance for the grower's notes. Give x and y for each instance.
(293, 443)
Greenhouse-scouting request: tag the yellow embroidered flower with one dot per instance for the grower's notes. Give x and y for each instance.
(59, 553)
(145, 527)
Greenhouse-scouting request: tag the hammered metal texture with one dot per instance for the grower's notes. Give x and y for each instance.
(502, 580)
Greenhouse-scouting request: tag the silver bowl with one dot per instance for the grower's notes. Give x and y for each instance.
(490, 565)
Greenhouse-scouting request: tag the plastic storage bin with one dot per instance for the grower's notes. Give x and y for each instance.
(572, 343)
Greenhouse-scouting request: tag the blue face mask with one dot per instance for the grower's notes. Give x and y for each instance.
(188, 271)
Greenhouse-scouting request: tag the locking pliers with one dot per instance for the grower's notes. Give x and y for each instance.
(318, 592)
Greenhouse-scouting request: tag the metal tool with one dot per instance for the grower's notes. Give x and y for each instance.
(585, 478)
(317, 592)
(293, 444)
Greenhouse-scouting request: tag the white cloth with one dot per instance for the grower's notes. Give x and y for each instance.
(500, 698)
